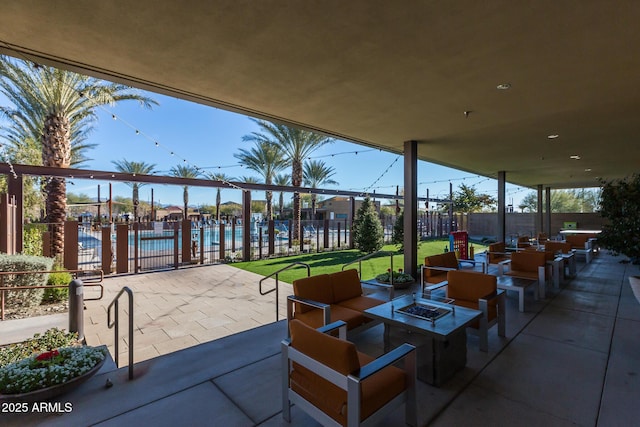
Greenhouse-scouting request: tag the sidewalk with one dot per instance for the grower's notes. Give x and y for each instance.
(173, 310)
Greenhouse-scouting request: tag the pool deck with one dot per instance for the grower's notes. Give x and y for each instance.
(208, 353)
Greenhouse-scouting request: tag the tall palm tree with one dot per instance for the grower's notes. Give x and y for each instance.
(317, 173)
(134, 168)
(297, 145)
(59, 103)
(282, 180)
(185, 171)
(219, 177)
(266, 159)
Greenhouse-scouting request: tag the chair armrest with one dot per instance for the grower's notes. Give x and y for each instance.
(428, 289)
(428, 267)
(309, 302)
(383, 361)
(492, 295)
(386, 286)
(340, 325)
(326, 308)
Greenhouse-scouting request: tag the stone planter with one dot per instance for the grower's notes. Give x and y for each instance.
(634, 281)
(53, 391)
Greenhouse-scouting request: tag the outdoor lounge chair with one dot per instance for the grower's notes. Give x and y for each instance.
(496, 253)
(330, 380)
(527, 265)
(478, 291)
(325, 298)
(436, 267)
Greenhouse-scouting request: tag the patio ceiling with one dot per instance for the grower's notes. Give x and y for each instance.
(379, 72)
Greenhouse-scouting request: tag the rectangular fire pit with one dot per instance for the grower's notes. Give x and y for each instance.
(424, 311)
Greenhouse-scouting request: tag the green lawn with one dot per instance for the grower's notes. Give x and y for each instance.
(330, 262)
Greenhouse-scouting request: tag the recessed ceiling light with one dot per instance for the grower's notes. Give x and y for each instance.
(587, 170)
(553, 136)
(504, 86)
(575, 157)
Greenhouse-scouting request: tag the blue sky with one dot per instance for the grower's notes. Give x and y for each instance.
(208, 137)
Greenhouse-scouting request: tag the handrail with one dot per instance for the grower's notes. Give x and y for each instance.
(371, 255)
(92, 281)
(276, 288)
(115, 323)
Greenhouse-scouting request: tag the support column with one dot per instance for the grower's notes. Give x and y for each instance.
(411, 207)
(547, 201)
(246, 225)
(352, 213)
(16, 188)
(539, 216)
(502, 223)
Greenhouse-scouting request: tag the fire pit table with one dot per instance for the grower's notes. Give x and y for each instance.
(438, 330)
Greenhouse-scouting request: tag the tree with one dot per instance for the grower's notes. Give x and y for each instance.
(315, 174)
(368, 234)
(281, 180)
(56, 105)
(467, 199)
(398, 231)
(573, 200)
(185, 171)
(620, 207)
(134, 168)
(266, 159)
(219, 177)
(297, 145)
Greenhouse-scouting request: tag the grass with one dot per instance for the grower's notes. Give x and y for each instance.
(330, 262)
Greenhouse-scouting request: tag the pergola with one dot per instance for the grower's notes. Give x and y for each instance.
(540, 94)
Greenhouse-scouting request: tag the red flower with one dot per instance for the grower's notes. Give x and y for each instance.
(47, 355)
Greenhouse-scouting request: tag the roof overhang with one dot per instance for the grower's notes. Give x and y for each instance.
(379, 73)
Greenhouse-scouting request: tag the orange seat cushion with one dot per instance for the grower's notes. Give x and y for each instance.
(577, 241)
(345, 285)
(361, 303)
(315, 318)
(446, 260)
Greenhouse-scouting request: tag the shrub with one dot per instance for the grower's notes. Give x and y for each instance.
(27, 298)
(32, 243)
(61, 278)
(53, 338)
(368, 234)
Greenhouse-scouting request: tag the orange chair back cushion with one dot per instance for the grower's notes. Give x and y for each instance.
(528, 261)
(555, 247)
(470, 285)
(345, 285)
(317, 288)
(335, 353)
(577, 240)
(447, 260)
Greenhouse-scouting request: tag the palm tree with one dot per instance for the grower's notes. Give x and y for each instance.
(219, 177)
(317, 173)
(55, 106)
(266, 159)
(185, 171)
(297, 144)
(134, 168)
(282, 180)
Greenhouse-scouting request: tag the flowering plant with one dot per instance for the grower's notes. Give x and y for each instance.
(49, 368)
(398, 277)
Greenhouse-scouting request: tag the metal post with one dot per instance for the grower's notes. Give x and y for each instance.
(76, 307)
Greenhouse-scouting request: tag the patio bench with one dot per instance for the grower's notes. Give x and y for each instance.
(326, 298)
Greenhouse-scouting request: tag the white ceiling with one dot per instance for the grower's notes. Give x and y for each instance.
(379, 72)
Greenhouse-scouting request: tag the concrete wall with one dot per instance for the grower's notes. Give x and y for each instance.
(486, 224)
